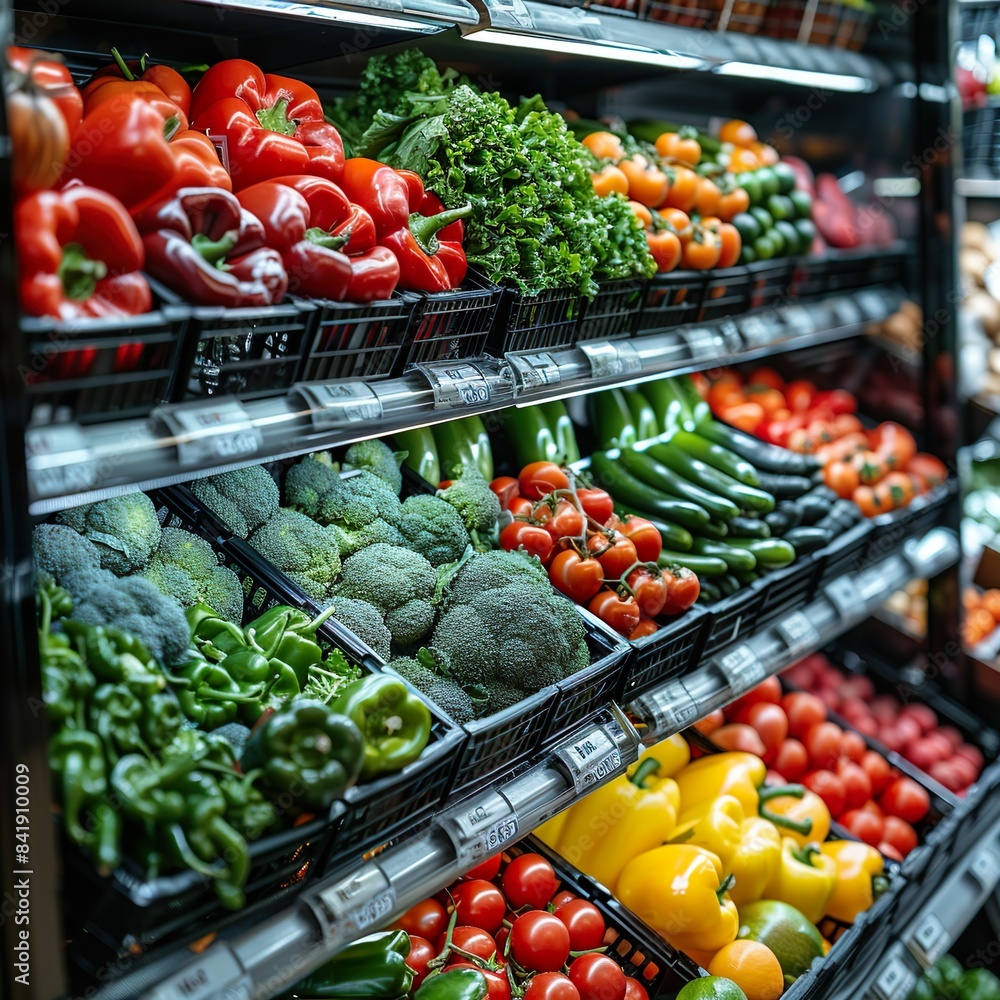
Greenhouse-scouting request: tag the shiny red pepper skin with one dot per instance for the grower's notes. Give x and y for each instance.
(385, 194)
(173, 85)
(197, 165)
(53, 78)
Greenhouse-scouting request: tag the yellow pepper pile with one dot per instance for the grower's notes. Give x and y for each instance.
(683, 844)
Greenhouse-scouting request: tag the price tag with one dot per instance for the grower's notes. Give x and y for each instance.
(843, 595)
(872, 304)
(59, 460)
(742, 668)
(929, 941)
(871, 587)
(847, 312)
(798, 320)
(986, 868)
(757, 333)
(611, 359)
(456, 384)
(480, 827)
(702, 341)
(667, 709)
(337, 403)
(361, 899)
(895, 981)
(214, 975)
(590, 759)
(730, 334)
(534, 370)
(799, 633)
(212, 430)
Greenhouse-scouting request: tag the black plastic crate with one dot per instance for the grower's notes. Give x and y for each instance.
(448, 325)
(90, 370)
(924, 511)
(614, 312)
(670, 652)
(770, 282)
(730, 619)
(813, 276)
(671, 300)
(727, 293)
(845, 554)
(786, 589)
(358, 340)
(542, 322)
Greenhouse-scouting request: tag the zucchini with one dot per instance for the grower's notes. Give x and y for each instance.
(824, 493)
(457, 451)
(421, 453)
(747, 576)
(771, 553)
(610, 419)
(728, 584)
(658, 476)
(480, 440)
(716, 456)
(611, 475)
(762, 456)
(783, 485)
(671, 535)
(734, 556)
(808, 539)
(643, 416)
(786, 515)
(813, 507)
(703, 566)
(709, 592)
(562, 430)
(665, 403)
(749, 527)
(680, 512)
(695, 407)
(529, 435)
(715, 529)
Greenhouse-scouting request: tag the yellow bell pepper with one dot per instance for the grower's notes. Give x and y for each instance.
(550, 831)
(804, 878)
(797, 812)
(748, 847)
(679, 890)
(673, 753)
(620, 820)
(859, 878)
(733, 773)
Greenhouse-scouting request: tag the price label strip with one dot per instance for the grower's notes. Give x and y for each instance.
(456, 384)
(799, 633)
(929, 941)
(986, 868)
(895, 981)
(611, 359)
(702, 342)
(730, 333)
(480, 828)
(847, 311)
(872, 304)
(590, 759)
(798, 320)
(212, 431)
(214, 975)
(757, 333)
(742, 668)
(59, 460)
(843, 595)
(363, 899)
(534, 370)
(335, 404)
(667, 709)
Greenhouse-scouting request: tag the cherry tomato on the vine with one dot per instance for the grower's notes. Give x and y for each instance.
(683, 589)
(561, 898)
(597, 503)
(578, 578)
(474, 940)
(488, 869)
(634, 990)
(479, 904)
(561, 521)
(649, 590)
(645, 627)
(539, 941)
(427, 919)
(643, 536)
(551, 986)
(535, 540)
(622, 614)
(506, 489)
(584, 922)
(540, 478)
(529, 880)
(421, 952)
(617, 555)
(598, 977)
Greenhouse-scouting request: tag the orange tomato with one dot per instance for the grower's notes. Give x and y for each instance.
(604, 145)
(744, 416)
(700, 383)
(991, 601)
(770, 399)
(864, 497)
(685, 148)
(732, 246)
(980, 621)
(725, 394)
(767, 155)
(971, 599)
(743, 161)
(885, 496)
(799, 395)
(843, 448)
(894, 443)
(932, 470)
(683, 189)
(842, 478)
(708, 198)
(646, 184)
(702, 251)
(678, 221)
(642, 213)
(739, 133)
(609, 180)
(871, 467)
(846, 423)
(901, 488)
(766, 376)
(732, 203)
(665, 246)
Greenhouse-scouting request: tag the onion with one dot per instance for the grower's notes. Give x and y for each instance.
(39, 136)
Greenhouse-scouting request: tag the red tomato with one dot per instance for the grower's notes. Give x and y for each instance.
(533, 538)
(479, 904)
(683, 589)
(860, 686)
(471, 939)
(646, 627)
(541, 478)
(791, 760)
(804, 711)
(578, 578)
(922, 715)
(768, 690)
(927, 752)
(421, 952)
(857, 785)
(887, 850)
(853, 746)
(971, 754)
(900, 834)
(539, 941)
(952, 735)
(823, 744)
(496, 981)
(643, 536)
(426, 919)
(735, 736)
(965, 768)
(943, 772)
(622, 614)
(884, 708)
(906, 799)
(711, 722)
(877, 769)
(561, 521)
(596, 503)
(617, 555)
(560, 899)
(634, 990)
(829, 788)
(867, 727)
(585, 924)
(506, 489)
(529, 880)
(551, 986)
(487, 869)
(907, 729)
(799, 395)
(864, 825)
(649, 590)
(520, 507)
(772, 724)
(598, 977)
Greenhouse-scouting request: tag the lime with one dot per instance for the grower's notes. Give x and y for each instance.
(807, 233)
(748, 255)
(777, 241)
(763, 247)
(793, 243)
(786, 932)
(786, 177)
(780, 206)
(768, 181)
(764, 218)
(803, 204)
(751, 185)
(947, 969)
(711, 988)
(749, 228)
(979, 984)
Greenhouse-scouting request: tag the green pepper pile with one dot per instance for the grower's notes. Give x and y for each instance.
(948, 980)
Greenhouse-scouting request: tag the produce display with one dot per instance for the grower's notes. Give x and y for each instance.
(910, 606)
(949, 978)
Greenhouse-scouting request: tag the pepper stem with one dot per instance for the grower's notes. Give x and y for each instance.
(426, 227)
(805, 855)
(275, 118)
(648, 766)
(727, 883)
(324, 239)
(78, 273)
(214, 251)
(122, 65)
(170, 127)
(880, 885)
(308, 628)
(803, 827)
(210, 694)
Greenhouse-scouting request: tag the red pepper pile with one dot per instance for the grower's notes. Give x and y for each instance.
(610, 565)
(529, 939)
(233, 194)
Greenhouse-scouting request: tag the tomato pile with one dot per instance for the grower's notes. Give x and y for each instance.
(982, 614)
(527, 938)
(606, 563)
(879, 469)
(792, 735)
(912, 730)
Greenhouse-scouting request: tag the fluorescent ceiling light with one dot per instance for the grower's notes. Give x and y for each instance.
(799, 77)
(581, 47)
(306, 11)
(896, 187)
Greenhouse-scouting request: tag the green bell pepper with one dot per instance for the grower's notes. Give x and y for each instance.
(114, 713)
(457, 984)
(76, 757)
(978, 984)
(288, 633)
(308, 751)
(246, 808)
(396, 723)
(161, 719)
(218, 636)
(141, 787)
(208, 694)
(374, 966)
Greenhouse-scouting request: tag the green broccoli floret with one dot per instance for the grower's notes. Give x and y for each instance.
(355, 501)
(432, 527)
(379, 459)
(476, 504)
(351, 541)
(306, 552)
(422, 673)
(365, 621)
(307, 482)
(242, 500)
(502, 696)
(398, 582)
(124, 529)
(186, 568)
(491, 570)
(59, 551)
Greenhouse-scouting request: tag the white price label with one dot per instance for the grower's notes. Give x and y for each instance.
(667, 709)
(480, 828)
(757, 333)
(360, 900)
(847, 311)
(986, 868)
(843, 595)
(456, 384)
(610, 359)
(929, 941)
(872, 304)
(730, 334)
(871, 586)
(212, 430)
(591, 758)
(214, 975)
(702, 342)
(799, 633)
(895, 981)
(798, 320)
(742, 668)
(337, 403)
(534, 370)
(59, 460)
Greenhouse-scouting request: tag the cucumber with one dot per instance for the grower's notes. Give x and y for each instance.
(671, 535)
(422, 455)
(749, 527)
(715, 529)
(657, 475)
(747, 576)
(680, 512)
(666, 405)
(610, 419)
(480, 440)
(813, 507)
(762, 456)
(736, 557)
(709, 592)
(716, 456)
(456, 449)
(696, 408)
(728, 584)
(529, 435)
(784, 485)
(771, 553)
(643, 416)
(611, 475)
(785, 516)
(701, 565)
(563, 430)
(747, 498)
(808, 539)
(843, 515)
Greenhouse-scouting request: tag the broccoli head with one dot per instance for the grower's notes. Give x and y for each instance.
(491, 570)
(398, 582)
(242, 500)
(307, 482)
(379, 459)
(125, 530)
(306, 552)
(355, 501)
(477, 505)
(60, 551)
(432, 527)
(365, 621)
(427, 673)
(351, 541)
(186, 568)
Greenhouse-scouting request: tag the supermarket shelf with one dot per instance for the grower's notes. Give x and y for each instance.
(978, 187)
(69, 464)
(325, 918)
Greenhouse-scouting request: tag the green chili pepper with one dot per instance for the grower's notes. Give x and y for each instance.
(395, 722)
(288, 633)
(114, 713)
(282, 687)
(458, 984)
(140, 785)
(307, 750)
(211, 697)
(216, 633)
(108, 836)
(77, 757)
(246, 808)
(117, 657)
(374, 966)
(161, 719)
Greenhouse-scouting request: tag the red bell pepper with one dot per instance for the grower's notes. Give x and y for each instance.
(198, 165)
(120, 147)
(273, 125)
(202, 244)
(53, 78)
(327, 244)
(173, 85)
(79, 254)
(108, 89)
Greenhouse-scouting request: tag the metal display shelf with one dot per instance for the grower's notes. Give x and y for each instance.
(270, 956)
(69, 464)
